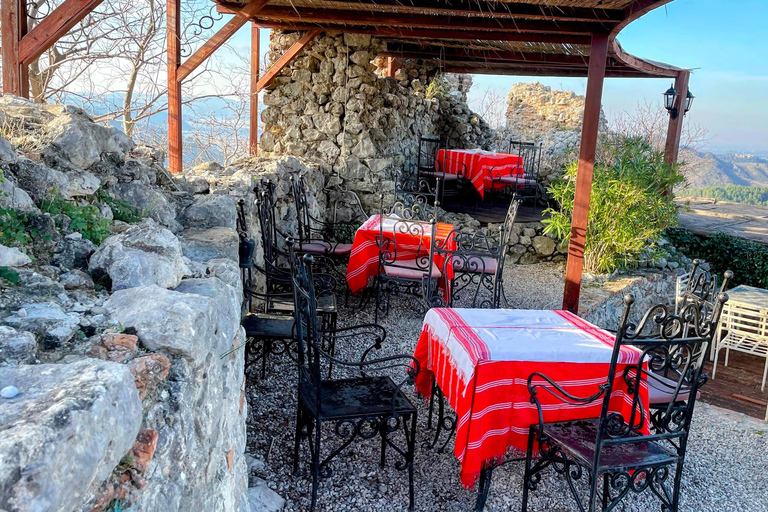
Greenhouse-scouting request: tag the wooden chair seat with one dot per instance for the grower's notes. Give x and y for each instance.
(262, 325)
(326, 304)
(358, 398)
(408, 269)
(446, 176)
(328, 248)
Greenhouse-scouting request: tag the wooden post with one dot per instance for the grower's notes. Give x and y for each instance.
(254, 119)
(173, 13)
(597, 60)
(13, 28)
(675, 127)
(391, 67)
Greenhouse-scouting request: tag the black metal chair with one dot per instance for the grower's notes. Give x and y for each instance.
(270, 309)
(429, 167)
(316, 236)
(613, 450)
(415, 199)
(360, 406)
(406, 257)
(525, 185)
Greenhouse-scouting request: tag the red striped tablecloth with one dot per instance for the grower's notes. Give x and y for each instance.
(480, 166)
(364, 258)
(481, 359)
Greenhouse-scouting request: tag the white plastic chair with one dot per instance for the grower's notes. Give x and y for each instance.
(747, 332)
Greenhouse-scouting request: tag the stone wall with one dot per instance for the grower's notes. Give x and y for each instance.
(114, 389)
(333, 107)
(602, 300)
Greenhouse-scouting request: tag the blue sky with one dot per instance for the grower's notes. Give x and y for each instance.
(724, 42)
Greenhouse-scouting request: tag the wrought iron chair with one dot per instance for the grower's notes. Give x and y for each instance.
(406, 257)
(363, 405)
(316, 236)
(415, 200)
(616, 449)
(270, 309)
(525, 185)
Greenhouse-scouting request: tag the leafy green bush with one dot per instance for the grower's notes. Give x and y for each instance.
(748, 260)
(121, 210)
(629, 206)
(85, 219)
(13, 228)
(438, 88)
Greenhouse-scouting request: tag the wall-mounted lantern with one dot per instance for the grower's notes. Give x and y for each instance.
(670, 96)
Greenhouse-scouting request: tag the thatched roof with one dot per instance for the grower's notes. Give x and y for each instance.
(529, 37)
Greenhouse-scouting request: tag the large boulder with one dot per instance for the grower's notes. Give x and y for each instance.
(211, 211)
(73, 252)
(17, 347)
(207, 244)
(172, 322)
(227, 302)
(14, 197)
(143, 254)
(46, 320)
(64, 432)
(149, 201)
(12, 257)
(8, 154)
(82, 141)
(41, 182)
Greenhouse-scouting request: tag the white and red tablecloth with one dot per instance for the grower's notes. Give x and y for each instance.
(481, 360)
(364, 257)
(480, 166)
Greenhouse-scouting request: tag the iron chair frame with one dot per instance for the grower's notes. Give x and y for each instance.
(529, 180)
(363, 417)
(668, 342)
(389, 285)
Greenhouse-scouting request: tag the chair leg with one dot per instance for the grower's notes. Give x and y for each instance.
(315, 466)
(727, 355)
(676, 489)
(411, 453)
(765, 373)
(264, 355)
(297, 438)
(383, 434)
(714, 362)
(484, 486)
(527, 473)
(606, 492)
(431, 404)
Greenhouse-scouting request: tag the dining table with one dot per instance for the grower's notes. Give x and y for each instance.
(481, 360)
(480, 166)
(364, 256)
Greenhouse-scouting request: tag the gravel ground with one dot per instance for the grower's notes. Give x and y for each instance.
(724, 466)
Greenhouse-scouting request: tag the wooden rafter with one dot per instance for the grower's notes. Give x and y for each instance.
(53, 27)
(253, 133)
(286, 59)
(455, 22)
(241, 17)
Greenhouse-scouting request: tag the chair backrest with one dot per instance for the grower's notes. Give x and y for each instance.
(744, 320)
(303, 217)
(415, 199)
(247, 245)
(406, 244)
(531, 155)
(305, 322)
(428, 146)
(669, 344)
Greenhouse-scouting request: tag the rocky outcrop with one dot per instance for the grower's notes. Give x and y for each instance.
(145, 254)
(64, 432)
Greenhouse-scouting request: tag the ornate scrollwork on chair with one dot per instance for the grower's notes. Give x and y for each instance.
(617, 449)
(362, 406)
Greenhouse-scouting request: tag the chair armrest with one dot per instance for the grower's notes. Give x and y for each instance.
(554, 389)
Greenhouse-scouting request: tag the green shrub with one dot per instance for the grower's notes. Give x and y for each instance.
(13, 228)
(629, 207)
(438, 88)
(8, 274)
(121, 210)
(85, 219)
(748, 260)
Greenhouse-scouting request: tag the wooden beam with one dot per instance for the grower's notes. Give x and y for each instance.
(286, 59)
(675, 127)
(433, 34)
(496, 9)
(597, 61)
(12, 27)
(254, 112)
(51, 28)
(219, 38)
(173, 16)
(444, 53)
(336, 16)
(392, 66)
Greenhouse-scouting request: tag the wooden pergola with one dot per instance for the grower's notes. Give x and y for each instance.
(574, 38)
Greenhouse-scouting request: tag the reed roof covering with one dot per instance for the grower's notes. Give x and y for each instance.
(528, 37)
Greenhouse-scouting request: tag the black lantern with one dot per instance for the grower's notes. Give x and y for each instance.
(688, 101)
(669, 101)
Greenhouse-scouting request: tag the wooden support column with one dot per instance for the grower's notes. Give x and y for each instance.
(597, 61)
(254, 117)
(675, 128)
(173, 13)
(286, 58)
(392, 66)
(12, 28)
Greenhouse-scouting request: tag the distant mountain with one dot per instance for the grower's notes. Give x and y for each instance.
(709, 169)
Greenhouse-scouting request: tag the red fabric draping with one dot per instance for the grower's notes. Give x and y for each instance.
(480, 166)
